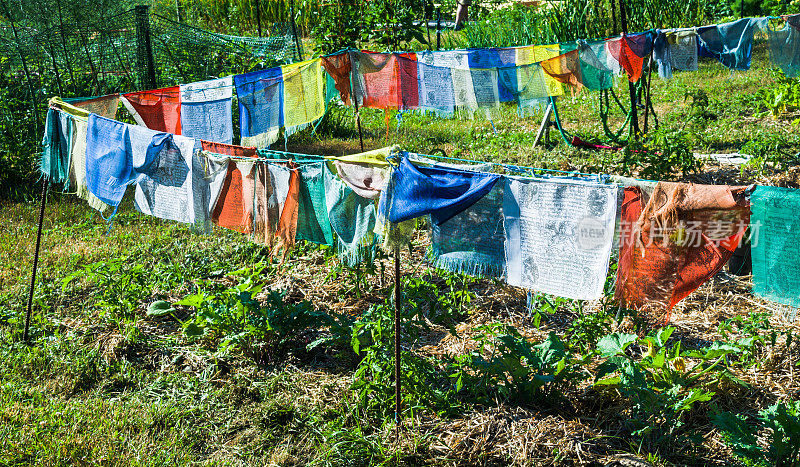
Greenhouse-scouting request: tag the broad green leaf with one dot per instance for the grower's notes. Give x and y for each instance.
(160, 308)
(193, 330)
(615, 344)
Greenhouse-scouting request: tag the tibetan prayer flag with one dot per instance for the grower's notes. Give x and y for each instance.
(206, 110)
(282, 202)
(304, 95)
(784, 49)
(435, 89)
(56, 145)
(731, 43)
(535, 54)
(775, 236)
(594, 74)
(313, 223)
(260, 95)
(234, 206)
(158, 110)
(339, 68)
(472, 241)
(675, 241)
(77, 174)
(630, 51)
(352, 218)
(564, 68)
(528, 85)
(493, 58)
(171, 185)
(408, 76)
(375, 80)
(118, 154)
(442, 193)
(559, 235)
(366, 173)
(105, 106)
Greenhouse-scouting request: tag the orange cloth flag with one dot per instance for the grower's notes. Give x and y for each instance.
(675, 241)
(234, 207)
(159, 109)
(565, 68)
(340, 68)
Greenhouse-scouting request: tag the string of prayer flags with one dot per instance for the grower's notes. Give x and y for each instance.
(675, 240)
(158, 109)
(260, 95)
(558, 235)
(775, 228)
(206, 110)
(442, 193)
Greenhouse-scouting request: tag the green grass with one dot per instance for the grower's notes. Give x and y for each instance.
(96, 387)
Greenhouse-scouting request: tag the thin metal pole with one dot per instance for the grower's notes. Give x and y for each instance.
(623, 16)
(144, 54)
(42, 200)
(358, 117)
(397, 312)
(647, 91)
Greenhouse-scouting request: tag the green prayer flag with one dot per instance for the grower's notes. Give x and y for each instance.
(775, 233)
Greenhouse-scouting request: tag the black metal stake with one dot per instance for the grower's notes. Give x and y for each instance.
(623, 16)
(397, 312)
(144, 49)
(26, 332)
(647, 103)
(358, 119)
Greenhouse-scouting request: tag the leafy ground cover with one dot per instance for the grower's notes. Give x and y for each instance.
(153, 345)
